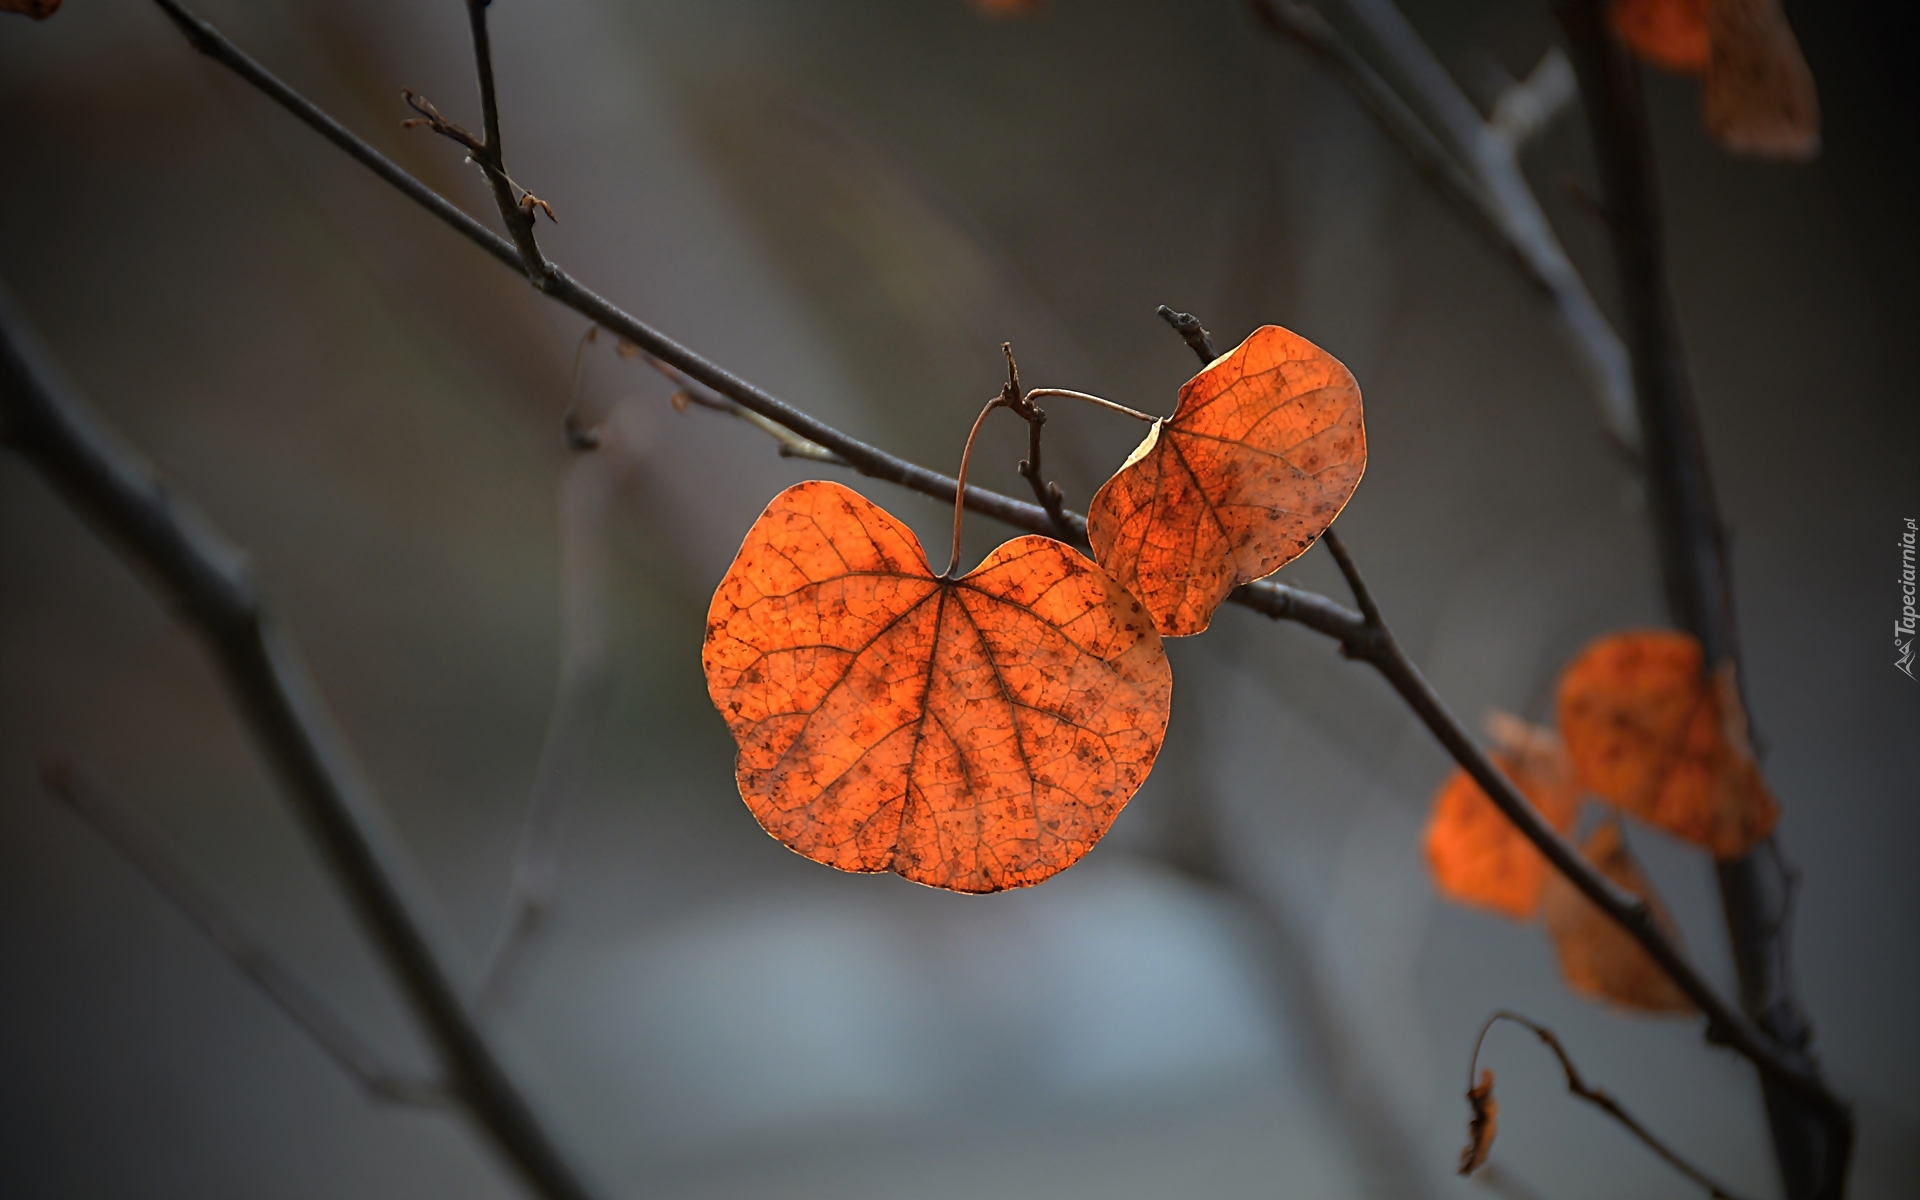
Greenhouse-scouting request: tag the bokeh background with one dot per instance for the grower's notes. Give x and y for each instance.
(1249, 989)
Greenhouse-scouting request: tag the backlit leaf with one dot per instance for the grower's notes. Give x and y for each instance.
(1260, 455)
(974, 734)
(1476, 855)
(1649, 733)
(1597, 957)
(1667, 33)
(1760, 97)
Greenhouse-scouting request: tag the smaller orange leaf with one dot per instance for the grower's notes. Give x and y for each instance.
(1481, 1127)
(1260, 455)
(1599, 958)
(39, 10)
(1650, 733)
(1475, 853)
(1007, 8)
(1760, 98)
(1671, 34)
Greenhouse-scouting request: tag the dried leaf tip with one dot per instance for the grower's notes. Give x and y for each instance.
(1481, 1126)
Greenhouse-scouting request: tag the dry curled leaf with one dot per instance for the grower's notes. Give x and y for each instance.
(39, 10)
(1760, 98)
(1649, 733)
(974, 734)
(1597, 957)
(1264, 449)
(1671, 34)
(1482, 1126)
(1476, 855)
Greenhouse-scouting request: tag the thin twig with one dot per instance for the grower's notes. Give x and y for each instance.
(1812, 1141)
(1358, 638)
(1191, 331)
(516, 210)
(1046, 493)
(582, 701)
(203, 577)
(121, 827)
(1599, 1098)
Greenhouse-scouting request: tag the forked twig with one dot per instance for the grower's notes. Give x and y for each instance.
(121, 827)
(1600, 1099)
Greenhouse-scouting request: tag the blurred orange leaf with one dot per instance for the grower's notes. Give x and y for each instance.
(1650, 733)
(1007, 8)
(1599, 958)
(1667, 33)
(974, 734)
(1260, 455)
(1476, 855)
(1760, 97)
(39, 10)
(1482, 1126)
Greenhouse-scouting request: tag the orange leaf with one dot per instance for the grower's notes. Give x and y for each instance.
(975, 734)
(39, 10)
(1260, 455)
(1667, 33)
(1476, 854)
(1760, 97)
(1481, 1127)
(1008, 8)
(1598, 957)
(1650, 734)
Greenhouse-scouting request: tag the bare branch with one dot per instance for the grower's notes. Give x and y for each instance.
(203, 577)
(1599, 1098)
(121, 827)
(1192, 331)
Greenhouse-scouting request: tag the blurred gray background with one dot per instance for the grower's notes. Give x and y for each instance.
(853, 203)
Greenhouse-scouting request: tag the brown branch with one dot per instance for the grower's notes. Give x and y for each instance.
(121, 827)
(1599, 1098)
(1191, 331)
(1045, 492)
(1812, 1141)
(204, 579)
(1359, 638)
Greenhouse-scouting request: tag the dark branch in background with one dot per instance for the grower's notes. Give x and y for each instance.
(1489, 189)
(1359, 638)
(122, 827)
(204, 579)
(1812, 1142)
(1599, 1098)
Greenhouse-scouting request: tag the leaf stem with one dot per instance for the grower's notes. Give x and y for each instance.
(960, 491)
(1135, 413)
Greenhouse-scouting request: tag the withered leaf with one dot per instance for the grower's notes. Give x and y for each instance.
(1597, 957)
(1264, 449)
(1649, 733)
(1482, 1125)
(974, 734)
(39, 10)
(1760, 98)
(1476, 855)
